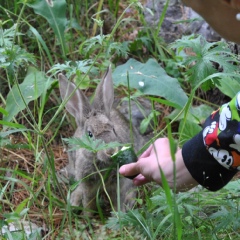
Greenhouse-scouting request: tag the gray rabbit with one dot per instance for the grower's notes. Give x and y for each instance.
(99, 120)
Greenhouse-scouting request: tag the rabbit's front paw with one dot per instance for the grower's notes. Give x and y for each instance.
(76, 198)
(128, 194)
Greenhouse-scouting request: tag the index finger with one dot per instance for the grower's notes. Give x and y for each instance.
(147, 152)
(130, 170)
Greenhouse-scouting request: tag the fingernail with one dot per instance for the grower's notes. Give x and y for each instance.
(122, 170)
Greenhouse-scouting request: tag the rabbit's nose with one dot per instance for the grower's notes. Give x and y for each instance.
(111, 151)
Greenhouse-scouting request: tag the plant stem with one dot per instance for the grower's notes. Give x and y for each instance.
(94, 30)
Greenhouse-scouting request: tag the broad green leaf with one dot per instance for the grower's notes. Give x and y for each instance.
(81, 81)
(196, 114)
(31, 88)
(229, 86)
(150, 79)
(16, 235)
(146, 121)
(188, 130)
(55, 15)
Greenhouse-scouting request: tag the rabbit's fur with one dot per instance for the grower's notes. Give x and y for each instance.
(101, 121)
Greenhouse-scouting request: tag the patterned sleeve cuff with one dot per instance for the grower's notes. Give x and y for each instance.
(202, 165)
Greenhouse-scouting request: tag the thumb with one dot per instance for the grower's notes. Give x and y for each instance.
(147, 152)
(130, 170)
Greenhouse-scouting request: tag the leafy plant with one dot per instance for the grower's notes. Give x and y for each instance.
(203, 59)
(93, 145)
(70, 68)
(12, 56)
(147, 121)
(14, 227)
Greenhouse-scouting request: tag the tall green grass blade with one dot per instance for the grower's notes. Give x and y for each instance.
(3, 111)
(3, 191)
(15, 180)
(171, 198)
(162, 16)
(13, 125)
(130, 110)
(142, 222)
(164, 102)
(98, 204)
(173, 207)
(173, 145)
(42, 42)
(21, 206)
(167, 190)
(176, 215)
(161, 225)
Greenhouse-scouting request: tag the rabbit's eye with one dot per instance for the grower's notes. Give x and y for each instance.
(90, 134)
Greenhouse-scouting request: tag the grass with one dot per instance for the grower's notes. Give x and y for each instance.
(34, 46)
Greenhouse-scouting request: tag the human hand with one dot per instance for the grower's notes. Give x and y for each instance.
(157, 157)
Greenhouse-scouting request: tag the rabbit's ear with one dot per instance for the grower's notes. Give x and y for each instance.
(78, 105)
(104, 95)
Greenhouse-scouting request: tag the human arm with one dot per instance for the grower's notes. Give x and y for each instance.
(157, 157)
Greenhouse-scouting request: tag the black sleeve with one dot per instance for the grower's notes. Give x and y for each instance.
(213, 156)
(203, 166)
